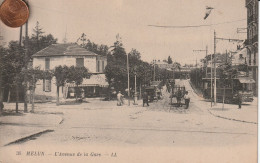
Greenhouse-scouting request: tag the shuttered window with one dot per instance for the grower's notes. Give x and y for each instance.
(46, 85)
(98, 66)
(79, 62)
(47, 63)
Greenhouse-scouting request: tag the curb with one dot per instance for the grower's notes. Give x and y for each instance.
(30, 137)
(232, 119)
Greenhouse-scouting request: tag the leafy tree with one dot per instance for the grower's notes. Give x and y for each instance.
(33, 75)
(76, 75)
(118, 50)
(60, 74)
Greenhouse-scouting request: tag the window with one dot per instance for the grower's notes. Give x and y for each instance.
(98, 66)
(47, 63)
(79, 62)
(47, 85)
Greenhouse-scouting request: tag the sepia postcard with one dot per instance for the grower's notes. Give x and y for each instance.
(129, 81)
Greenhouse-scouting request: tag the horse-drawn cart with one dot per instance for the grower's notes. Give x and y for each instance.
(177, 96)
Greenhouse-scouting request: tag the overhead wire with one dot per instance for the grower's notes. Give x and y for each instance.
(196, 26)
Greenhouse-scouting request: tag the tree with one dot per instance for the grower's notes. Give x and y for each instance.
(169, 60)
(38, 41)
(76, 75)
(60, 73)
(118, 50)
(33, 75)
(37, 34)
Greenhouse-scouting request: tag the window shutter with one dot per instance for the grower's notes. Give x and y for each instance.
(43, 84)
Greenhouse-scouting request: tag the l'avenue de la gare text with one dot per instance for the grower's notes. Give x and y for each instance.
(69, 154)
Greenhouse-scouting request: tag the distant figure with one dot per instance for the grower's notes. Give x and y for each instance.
(145, 99)
(178, 97)
(239, 101)
(187, 99)
(1, 106)
(119, 99)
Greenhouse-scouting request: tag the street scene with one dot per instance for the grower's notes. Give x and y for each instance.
(165, 90)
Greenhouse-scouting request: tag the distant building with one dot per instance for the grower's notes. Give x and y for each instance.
(70, 55)
(252, 39)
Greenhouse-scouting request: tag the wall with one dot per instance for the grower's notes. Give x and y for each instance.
(89, 62)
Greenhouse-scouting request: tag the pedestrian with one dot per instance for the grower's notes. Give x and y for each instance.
(187, 99)
(119, 99)
(178, 97)
(239, 101)
(145, 99)
(1, 106)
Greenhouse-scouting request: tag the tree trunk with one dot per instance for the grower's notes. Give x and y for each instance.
(17, 98)
(58, 96)
(25, 99)
(76, 91)
(9, 95)
(33, 94)
(1, 98)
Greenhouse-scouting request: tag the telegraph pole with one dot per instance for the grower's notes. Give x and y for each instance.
(206, 50)
(215, 71)
(25, 66)
(128, 80)
(215, 76)
(154, 70)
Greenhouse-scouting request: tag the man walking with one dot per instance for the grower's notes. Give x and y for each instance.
(187, 99)
(145, 99)
(119, 99)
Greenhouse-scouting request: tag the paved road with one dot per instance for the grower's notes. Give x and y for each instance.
(105, 124)
(155, 125)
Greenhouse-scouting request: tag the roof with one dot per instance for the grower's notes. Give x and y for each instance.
(69, 49)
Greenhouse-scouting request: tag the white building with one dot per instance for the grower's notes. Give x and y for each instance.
(70, 55)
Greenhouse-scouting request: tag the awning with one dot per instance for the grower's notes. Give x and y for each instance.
(246, 80)
(95, 80)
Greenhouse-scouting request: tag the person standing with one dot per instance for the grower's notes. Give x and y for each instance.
(239, 101)
(187, 99)
(119, 99)
(178, 97)
(145, 99)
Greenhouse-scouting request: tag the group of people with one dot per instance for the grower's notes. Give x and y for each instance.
(186, 97)
(120, 99)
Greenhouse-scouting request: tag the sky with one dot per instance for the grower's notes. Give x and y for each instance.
(102, 20)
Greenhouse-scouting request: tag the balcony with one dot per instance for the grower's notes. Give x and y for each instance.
(248, 1)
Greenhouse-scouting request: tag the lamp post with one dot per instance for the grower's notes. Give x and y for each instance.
(135, 95)
(128, 82)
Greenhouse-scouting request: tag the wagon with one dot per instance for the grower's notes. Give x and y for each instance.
(177, 93)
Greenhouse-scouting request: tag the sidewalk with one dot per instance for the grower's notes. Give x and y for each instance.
(248, 113)
(15, 126)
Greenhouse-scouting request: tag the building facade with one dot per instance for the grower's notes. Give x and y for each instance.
(70, 55)
(252, 40)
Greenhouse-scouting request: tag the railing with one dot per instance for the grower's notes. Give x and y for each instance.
(248, 1)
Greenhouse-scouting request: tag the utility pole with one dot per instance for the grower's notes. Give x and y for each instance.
(215, 76)
(128, 80)
(206, 50)
(26, 64)
(215, 71)
(154, 61)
